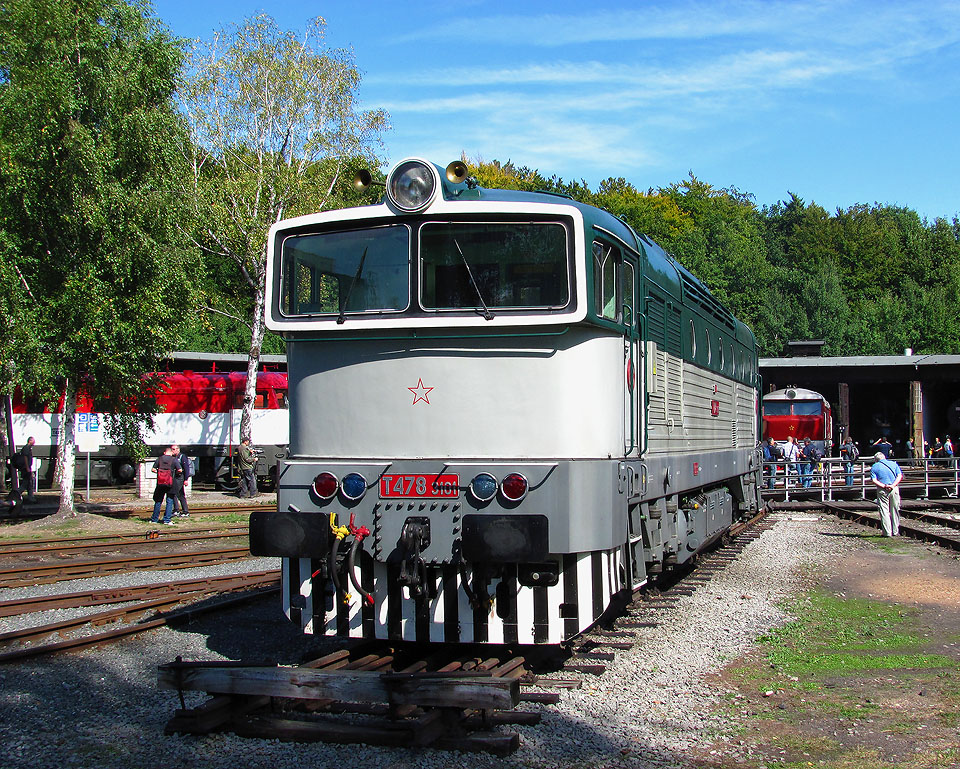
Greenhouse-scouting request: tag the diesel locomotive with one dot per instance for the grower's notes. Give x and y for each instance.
(797, 412)
(507, 410)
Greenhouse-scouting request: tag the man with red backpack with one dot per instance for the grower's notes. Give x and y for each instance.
(166, 467)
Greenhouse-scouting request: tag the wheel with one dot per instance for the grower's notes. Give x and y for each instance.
(227, 485)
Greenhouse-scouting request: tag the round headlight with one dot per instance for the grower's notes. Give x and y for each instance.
(514, 487)
(353, 486)
(411, 185)
(483, 487)
(325, 485)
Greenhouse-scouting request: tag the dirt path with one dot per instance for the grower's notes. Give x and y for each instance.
(869, 675)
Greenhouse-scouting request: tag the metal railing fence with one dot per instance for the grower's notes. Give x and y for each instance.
(834, 478)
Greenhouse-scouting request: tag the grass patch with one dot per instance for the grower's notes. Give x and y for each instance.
(834, 635)
(243, 518)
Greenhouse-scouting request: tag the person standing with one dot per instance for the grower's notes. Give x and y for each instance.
(166, 468)
(850, 454)
(791, 456)
(176, 489)
(186, 467)
(246, 461)
(886, 476)
(883, 446)
(771, 453)
(23, 462)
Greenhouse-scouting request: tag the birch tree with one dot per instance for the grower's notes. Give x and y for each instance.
(95, 283)
(276, 131)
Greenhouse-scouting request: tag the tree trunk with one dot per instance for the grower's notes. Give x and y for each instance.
(67, 452)
(253, 362)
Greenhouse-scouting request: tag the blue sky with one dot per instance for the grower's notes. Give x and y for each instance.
(840, 102)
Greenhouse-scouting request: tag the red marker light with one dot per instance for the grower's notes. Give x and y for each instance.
(325, 485)
(514, 487)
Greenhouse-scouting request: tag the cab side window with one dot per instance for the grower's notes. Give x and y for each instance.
(606, 269)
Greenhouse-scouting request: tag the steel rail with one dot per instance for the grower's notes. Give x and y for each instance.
(170, 618)
(137, 535)
(104, 543)
(171, 597)
(908, 527)
(58, 572)
(105, 596)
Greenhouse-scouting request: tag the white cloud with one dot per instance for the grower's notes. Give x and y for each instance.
(848, 22)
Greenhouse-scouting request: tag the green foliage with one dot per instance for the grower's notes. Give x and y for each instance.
(275, 132)
(867, 280)
(93, 273)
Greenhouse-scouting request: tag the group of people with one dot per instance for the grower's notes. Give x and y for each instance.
(802, 457)
(939, 450)
(173, 469)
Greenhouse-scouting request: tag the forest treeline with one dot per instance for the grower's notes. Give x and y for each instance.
(866, 280)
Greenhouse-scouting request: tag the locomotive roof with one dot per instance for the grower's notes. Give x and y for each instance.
(448, 191)
(668, 273)
(793, 394)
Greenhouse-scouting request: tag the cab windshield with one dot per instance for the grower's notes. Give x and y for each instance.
(462, 266)
(499, 265)
(348, 271)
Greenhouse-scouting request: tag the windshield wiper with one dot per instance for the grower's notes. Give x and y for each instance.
(353, 283)
(487, 315)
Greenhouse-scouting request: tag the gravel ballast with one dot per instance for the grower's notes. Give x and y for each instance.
(652, 708)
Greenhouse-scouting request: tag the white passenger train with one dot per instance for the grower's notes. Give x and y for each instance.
(507, 409)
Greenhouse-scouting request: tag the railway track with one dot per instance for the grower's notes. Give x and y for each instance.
(925, 525)
(410, 696)
(34, 513)
(156, 600)
(41, 547)
(44, 573)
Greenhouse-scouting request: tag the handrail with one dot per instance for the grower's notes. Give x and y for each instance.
(922, 477)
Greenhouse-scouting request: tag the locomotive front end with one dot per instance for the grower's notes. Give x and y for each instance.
(506, 410)
(451, 424)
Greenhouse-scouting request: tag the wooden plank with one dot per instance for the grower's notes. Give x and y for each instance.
(498, 744)
(544, 698)
(422, 731)
(500, 717)
(559, 683)
(292, 730)
(423, 689)
(212, 714)
(593, 670)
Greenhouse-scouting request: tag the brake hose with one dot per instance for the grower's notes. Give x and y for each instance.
(351, 559)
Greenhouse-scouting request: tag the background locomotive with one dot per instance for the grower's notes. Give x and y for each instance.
(199, 410)
(507, 409)
(800, 413)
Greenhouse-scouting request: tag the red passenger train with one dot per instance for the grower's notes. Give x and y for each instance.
(199, 410)
(799, 413)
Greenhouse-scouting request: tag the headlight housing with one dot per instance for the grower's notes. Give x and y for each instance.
(514, 487)
(412, 185)
(325, 486)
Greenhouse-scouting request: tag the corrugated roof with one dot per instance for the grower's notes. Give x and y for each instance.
(855, 361)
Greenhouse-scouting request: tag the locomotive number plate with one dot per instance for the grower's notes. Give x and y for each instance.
(420, 486)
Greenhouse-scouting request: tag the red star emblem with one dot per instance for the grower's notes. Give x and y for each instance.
(420, 393)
